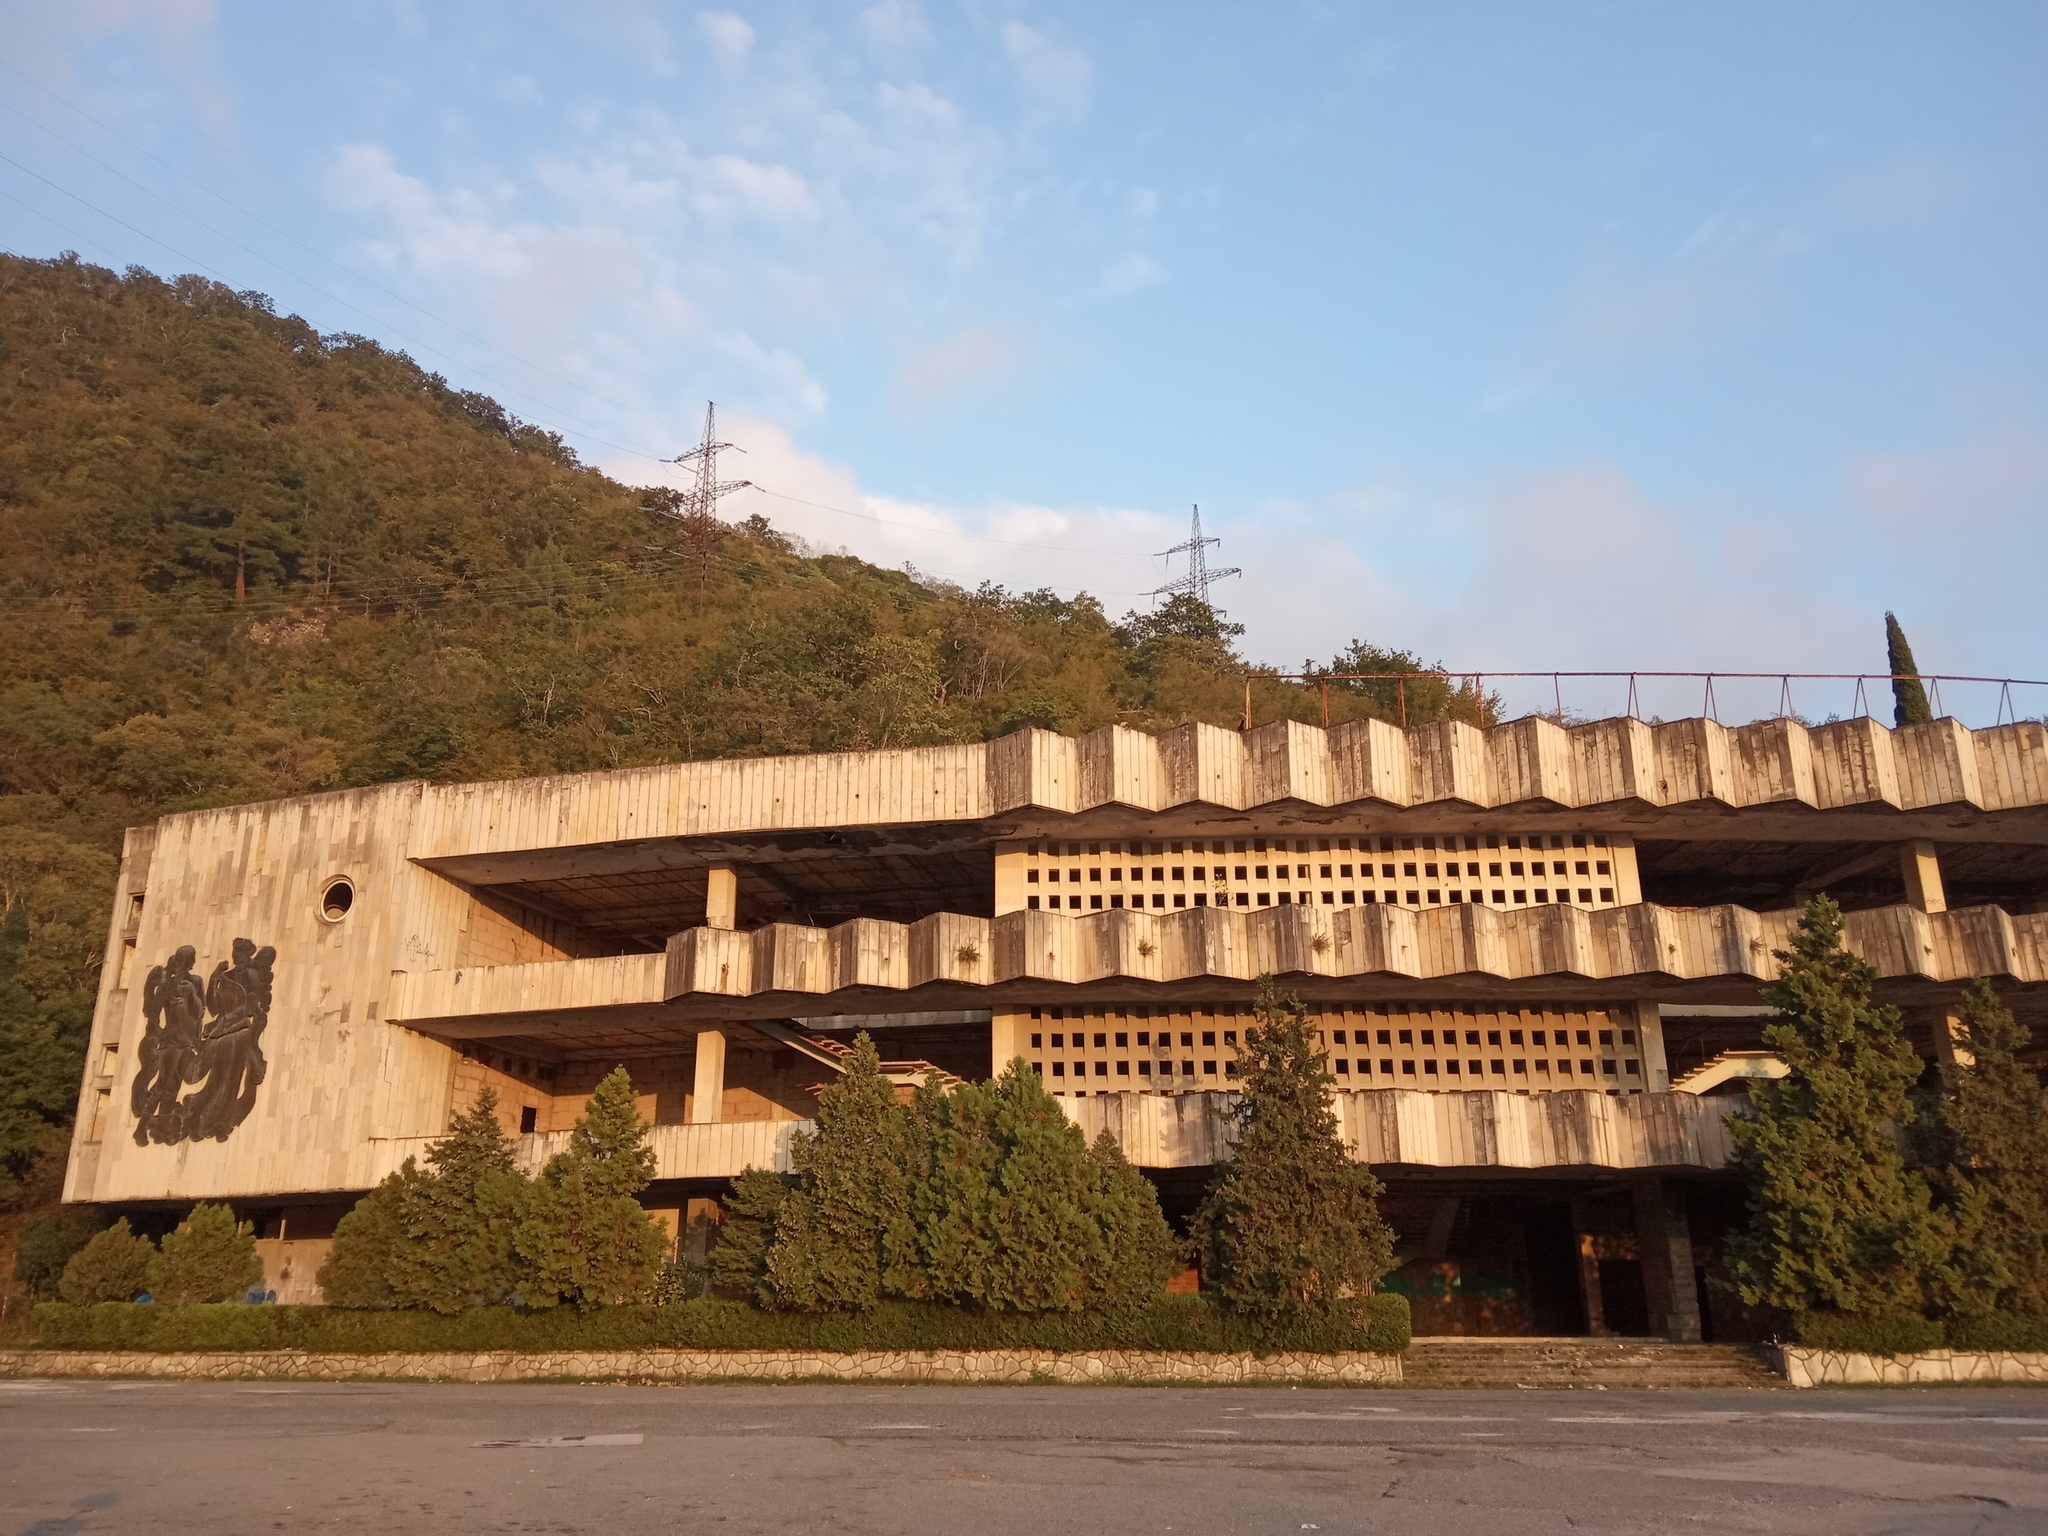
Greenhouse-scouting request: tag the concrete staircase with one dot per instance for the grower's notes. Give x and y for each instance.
(1616, 1364)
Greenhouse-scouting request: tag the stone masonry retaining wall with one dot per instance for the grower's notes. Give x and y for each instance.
(1806, 1367)
(964, 1366)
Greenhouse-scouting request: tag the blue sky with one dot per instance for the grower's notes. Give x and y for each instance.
(1579, 335)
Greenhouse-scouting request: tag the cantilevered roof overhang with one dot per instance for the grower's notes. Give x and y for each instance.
(1685, 778)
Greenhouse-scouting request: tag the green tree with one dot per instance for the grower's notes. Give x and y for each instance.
(42, 1040)
(1909, 694)
(845, 1222)
(46, 1246)
(357, 1270)
(1143, 1253)
(1291, 1227)
(114, 1266)
(457, 1224)
(211, 1257)
(583, 1239)
(1994, 1121)
(1837, 1222)
(739, 1259)
(1018, 1214)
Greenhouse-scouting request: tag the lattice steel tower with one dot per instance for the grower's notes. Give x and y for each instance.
(1196, 582)
(701, 500)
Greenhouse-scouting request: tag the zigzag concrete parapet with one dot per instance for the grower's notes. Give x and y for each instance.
(1013, 1366)
(1387, 948)
(1922, 780)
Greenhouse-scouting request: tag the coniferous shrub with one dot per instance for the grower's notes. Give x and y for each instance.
(211, 1257)
(739, 1260)
(46, 1247)
(357, 1271)
(1837, 1222)
(1143, 1254)
(1992, 1132)
(113, 1266)
(455, 1227)
(1180, 1323)
(1291, 1225)
(845, 1220)
(1870, 1333)
(582, 1237)
(1019, 1215)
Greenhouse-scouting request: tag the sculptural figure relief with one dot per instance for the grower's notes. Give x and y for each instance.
(205, 1037)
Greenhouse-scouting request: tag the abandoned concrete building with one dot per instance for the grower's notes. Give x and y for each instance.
(1533, 954)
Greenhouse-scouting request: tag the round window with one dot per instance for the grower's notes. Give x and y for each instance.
(335, 901)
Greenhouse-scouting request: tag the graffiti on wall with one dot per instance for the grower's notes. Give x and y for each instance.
(204, 1037)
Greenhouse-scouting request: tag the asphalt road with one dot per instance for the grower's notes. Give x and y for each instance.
(93, 1457)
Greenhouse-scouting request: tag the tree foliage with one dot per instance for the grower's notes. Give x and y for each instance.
(1909, 694)
(980, 1194)
(581, 1237)
(1291, 1225)
(358, 1269)
(210, 1257)
(455, 1228)
(46, 1246)
(113, 1266)
(845, 1222)
(1993, 1134)
(1837, 1221)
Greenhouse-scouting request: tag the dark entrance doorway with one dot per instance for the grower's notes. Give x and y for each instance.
(1624, 1303)
(1556, 1307)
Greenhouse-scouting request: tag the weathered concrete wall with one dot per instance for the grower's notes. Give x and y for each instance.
(992, 1365)
(1805, 1367)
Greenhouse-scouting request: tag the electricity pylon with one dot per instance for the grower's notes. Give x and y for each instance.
(1196, 582)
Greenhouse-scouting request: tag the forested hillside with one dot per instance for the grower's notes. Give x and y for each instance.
(240, 559)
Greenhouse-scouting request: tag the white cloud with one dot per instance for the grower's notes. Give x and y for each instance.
(967, 359)
(1057, 75)
(896, 26)
(774, 190)
(729, 36)
(1129, 273)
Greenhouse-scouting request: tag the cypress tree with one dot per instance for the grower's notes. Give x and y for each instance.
(114, 1266)
(1837, 1222)
(211, 1257)
(582, 1237)
(357, 1270)
(1909, 696)
(1291, 1226)
(842, 1225)
(1994, 1122)
(457, 1225)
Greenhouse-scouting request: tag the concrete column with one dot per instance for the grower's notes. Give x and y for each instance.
(1664, 1238)
(1650, 1036)
(1923, 876)
(707, 1100)
(1009, 1036)
(722, 898)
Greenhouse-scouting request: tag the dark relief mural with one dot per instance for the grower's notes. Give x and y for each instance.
(207, 1038)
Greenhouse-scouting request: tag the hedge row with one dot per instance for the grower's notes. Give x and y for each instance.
(1184, 1323)
(1911, 1334)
